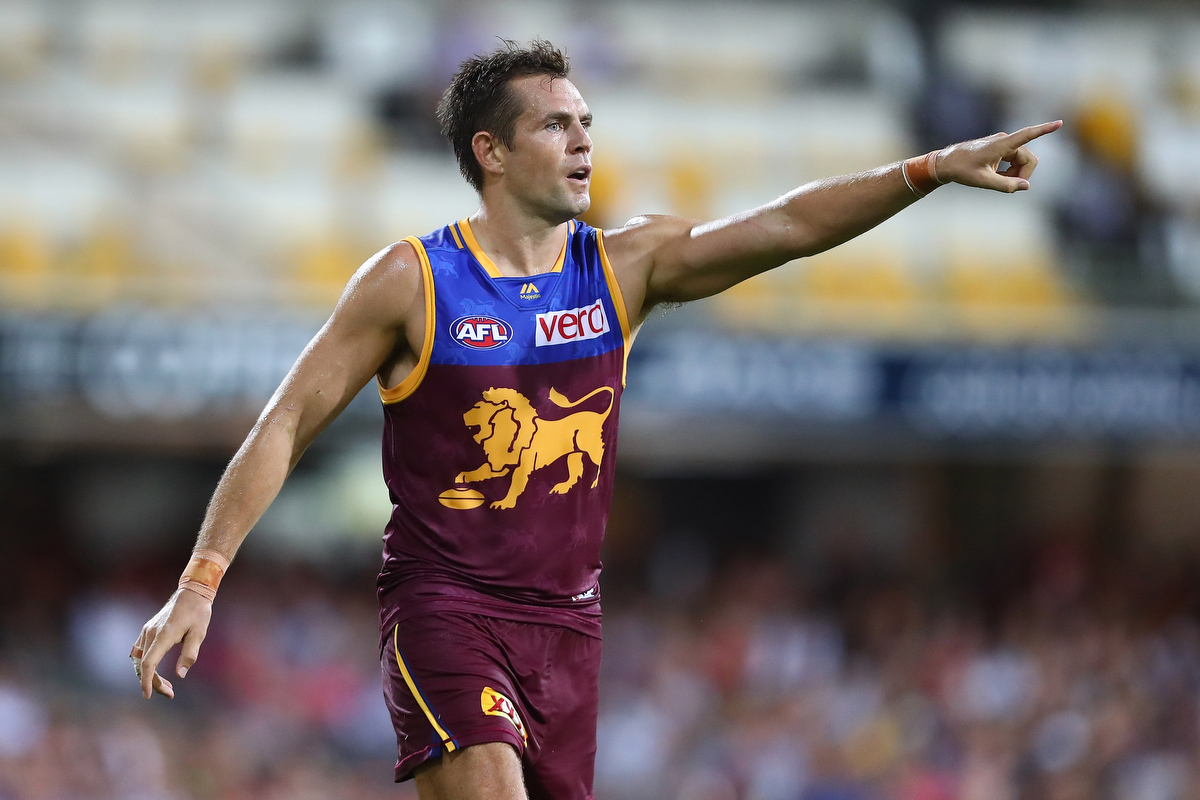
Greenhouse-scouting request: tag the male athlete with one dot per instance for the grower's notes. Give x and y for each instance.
(499, 344)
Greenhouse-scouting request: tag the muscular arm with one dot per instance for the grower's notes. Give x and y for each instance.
(364, 331)
(667, 259)
(377, 327)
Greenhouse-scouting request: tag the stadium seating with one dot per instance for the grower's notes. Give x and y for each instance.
(285, 122)
(60, 219)
(380, 45)
(1057, 56)
(958, 264)
(419, 193)
(209, 43)
(249, 134)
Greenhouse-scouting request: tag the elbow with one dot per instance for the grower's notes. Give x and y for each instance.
(279, 417)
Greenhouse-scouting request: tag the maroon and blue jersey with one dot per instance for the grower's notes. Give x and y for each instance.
(499, 448)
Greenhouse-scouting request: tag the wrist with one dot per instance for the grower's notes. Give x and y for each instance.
(203, 573)
(921, 173)
(200, 589)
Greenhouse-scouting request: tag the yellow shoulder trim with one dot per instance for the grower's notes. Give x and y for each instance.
(447, 739)
(562, 254)
(414, 378)
(614, 291)
(473, 245)
(454, 233)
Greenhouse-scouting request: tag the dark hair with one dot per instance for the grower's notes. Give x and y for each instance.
(480, 98)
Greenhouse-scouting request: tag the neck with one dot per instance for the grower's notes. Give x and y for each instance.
(518, 242)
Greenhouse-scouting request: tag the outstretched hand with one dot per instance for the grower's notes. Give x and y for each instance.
(184, 619)
(977, 162)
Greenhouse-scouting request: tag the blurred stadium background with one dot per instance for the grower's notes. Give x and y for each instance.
(914, 519)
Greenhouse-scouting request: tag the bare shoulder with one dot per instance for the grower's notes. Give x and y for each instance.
(632, 250)
(633, 244)
(385, 288)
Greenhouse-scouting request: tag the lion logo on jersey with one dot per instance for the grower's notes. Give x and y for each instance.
(515, 439)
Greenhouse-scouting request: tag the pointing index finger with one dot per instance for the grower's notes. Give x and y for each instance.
(1026, 135)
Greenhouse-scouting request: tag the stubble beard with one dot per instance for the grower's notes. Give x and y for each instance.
(565, 206)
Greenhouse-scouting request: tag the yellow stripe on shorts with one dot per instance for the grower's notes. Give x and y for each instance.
(447, 739)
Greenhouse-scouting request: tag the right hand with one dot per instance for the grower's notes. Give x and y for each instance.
(184, 619)
(977, 162)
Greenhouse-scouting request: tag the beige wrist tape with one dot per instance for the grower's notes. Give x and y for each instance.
(204, 572)
(920, 173)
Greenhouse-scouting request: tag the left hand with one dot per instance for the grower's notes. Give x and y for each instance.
(184, 618)
(977, 162)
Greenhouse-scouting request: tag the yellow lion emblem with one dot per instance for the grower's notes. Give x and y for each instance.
(515, 439)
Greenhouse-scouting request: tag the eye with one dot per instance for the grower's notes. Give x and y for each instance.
(554, 126)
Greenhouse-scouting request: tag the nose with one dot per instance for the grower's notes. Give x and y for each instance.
(581, 142)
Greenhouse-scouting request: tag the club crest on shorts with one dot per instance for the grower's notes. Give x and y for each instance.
(497, 705)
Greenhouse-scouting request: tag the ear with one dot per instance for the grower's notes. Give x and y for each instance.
(490, 152)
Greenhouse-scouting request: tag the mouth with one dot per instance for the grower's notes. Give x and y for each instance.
(582, 174)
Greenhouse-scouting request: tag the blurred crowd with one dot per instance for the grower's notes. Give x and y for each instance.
(284, 702)
(893, 698)
(745, 691)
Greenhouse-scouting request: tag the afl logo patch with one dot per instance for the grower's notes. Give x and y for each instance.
(481, 332)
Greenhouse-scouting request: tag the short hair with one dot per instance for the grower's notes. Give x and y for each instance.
(480, 97)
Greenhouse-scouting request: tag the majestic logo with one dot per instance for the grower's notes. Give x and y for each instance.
(497, 705)
(529, 291)
(481, 332)
(561, 327)
(515, 439)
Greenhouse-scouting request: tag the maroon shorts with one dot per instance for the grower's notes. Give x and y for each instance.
(454, 679)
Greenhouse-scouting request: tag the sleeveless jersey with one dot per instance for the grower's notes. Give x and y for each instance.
(499, 447)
